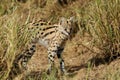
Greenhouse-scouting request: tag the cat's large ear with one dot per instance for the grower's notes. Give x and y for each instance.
(62, 20)
(73, 19)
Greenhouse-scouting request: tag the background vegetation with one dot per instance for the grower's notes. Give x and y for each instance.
(100, 19)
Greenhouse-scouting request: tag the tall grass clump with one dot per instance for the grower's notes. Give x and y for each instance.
(101, 19)
(13, 37)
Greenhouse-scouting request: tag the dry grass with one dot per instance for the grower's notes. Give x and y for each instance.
(102, 23)
(100, 19)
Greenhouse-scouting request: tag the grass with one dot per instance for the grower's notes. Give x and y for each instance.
(99, 18)
(113, 76)
(10, 41)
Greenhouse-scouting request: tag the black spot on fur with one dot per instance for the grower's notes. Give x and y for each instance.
(51, 56)
(31, 48)
(41, 33)
(41, 24)
(33, 45)
(36, 27)
(36, 24)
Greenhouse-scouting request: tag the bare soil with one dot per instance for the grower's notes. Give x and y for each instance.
(82, 62)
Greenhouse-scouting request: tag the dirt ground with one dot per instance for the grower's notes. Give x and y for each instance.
(79, 60)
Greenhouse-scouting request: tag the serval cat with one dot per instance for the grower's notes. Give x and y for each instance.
(51, 36)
